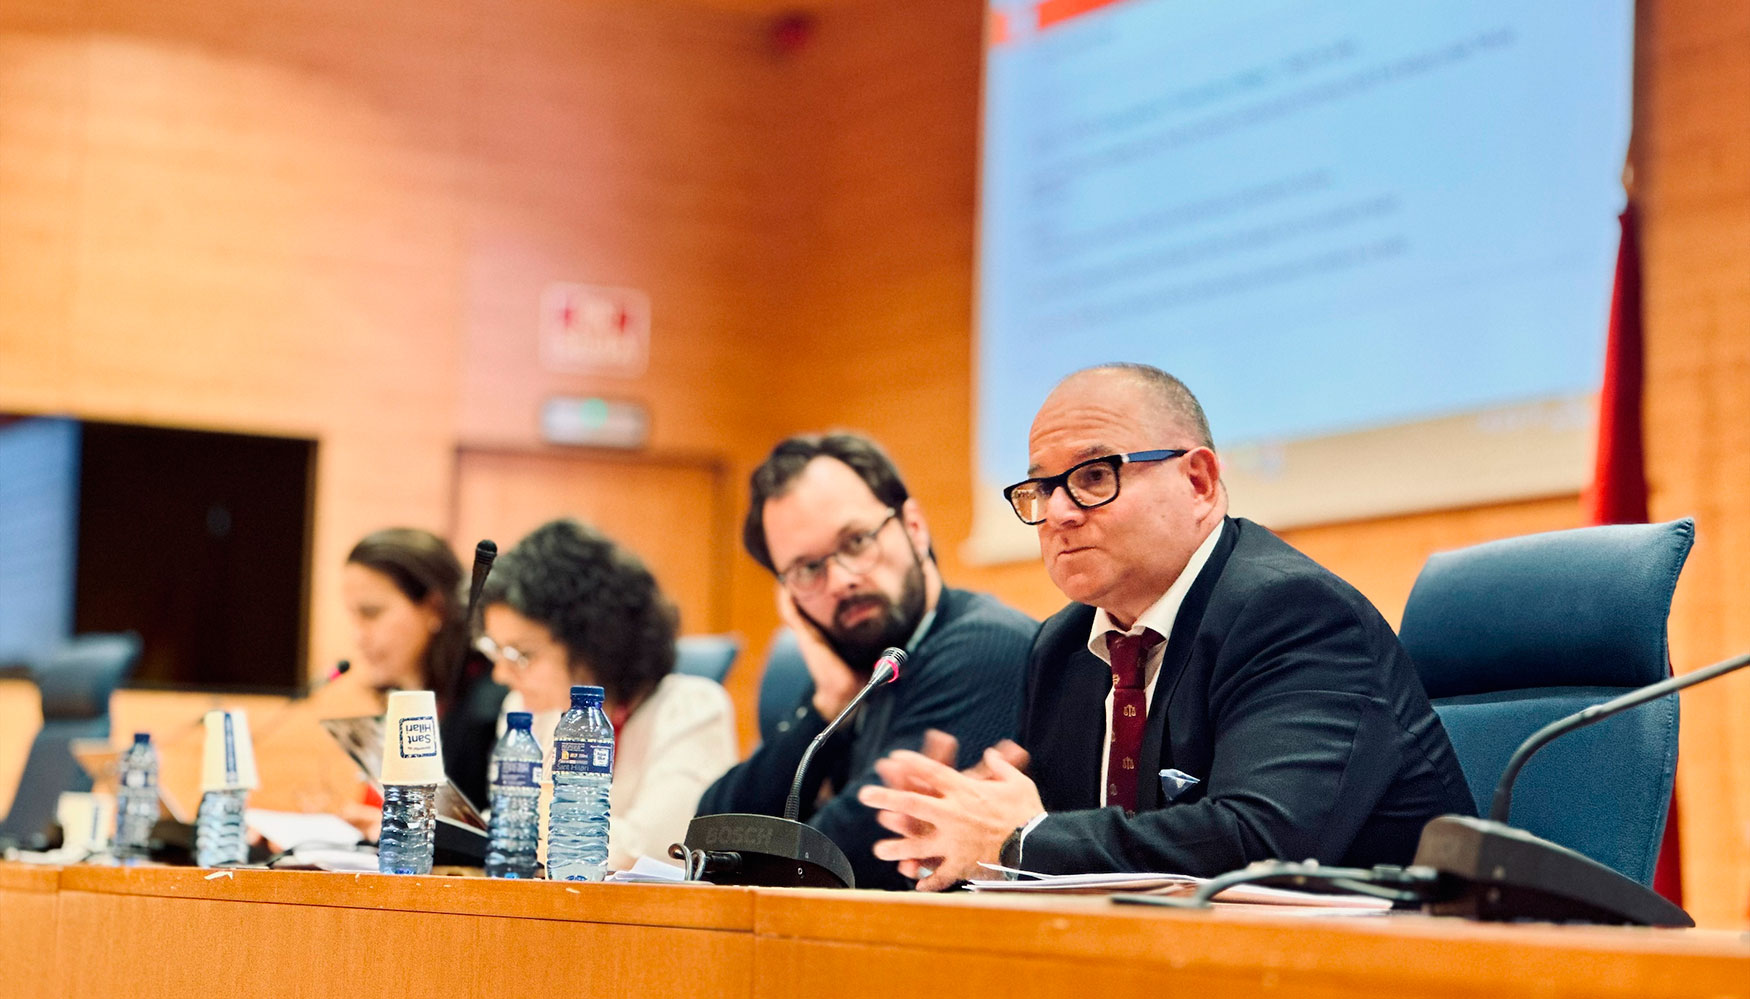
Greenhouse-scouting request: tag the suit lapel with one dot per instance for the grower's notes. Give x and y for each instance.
(1065, 726)
(1177, 657)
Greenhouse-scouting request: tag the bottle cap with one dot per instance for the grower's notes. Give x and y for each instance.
(519, 719)
(228, 764)
(583, 696)
(411, 752)
(142, 738)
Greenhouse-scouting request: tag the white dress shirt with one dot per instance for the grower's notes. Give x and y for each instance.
(1159, 617)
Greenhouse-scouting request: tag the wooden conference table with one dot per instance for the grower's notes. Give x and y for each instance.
(169, 932)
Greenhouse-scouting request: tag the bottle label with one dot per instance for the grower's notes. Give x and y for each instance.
(418, 737)
(581, 756)
(516, 773)
(230, 752)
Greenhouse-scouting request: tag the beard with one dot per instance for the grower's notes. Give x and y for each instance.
(859, 645)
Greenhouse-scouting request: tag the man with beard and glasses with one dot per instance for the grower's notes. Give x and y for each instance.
(830, 517)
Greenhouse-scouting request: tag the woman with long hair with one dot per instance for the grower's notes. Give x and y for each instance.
(403, 589)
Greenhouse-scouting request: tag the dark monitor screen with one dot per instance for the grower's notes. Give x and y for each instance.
(200, 542)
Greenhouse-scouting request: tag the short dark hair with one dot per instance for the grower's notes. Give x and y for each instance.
(779, 471)
(1176, 401)
(597, 599)
(421, 565)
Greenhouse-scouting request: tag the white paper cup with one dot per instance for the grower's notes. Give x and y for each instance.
(87, 820)
(411, 751)
(228, 763)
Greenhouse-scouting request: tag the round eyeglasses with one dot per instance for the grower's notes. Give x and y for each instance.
(1089, 484)
(518, 659)
(857, 554)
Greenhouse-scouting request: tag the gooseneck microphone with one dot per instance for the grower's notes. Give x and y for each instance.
(1489, 870)
(741, 849)
(1503, 800)
(886, 671)
(484, 554)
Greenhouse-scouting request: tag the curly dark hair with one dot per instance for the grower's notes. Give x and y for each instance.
(420, 565)
(597, 599)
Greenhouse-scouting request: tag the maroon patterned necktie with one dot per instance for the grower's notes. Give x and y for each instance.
(1129, 715)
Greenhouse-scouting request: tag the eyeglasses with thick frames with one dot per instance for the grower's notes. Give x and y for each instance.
(857, 554)
(518, 659)
(1089, 484)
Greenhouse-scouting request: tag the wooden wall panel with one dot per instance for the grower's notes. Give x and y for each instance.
(1693, 179)
(41, 102)
(667, 513)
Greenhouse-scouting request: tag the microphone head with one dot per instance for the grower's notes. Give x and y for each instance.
(892, 661)
(341, 667)
(485, 551)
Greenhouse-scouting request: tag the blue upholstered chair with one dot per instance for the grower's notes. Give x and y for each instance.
(784, 682)
(76, 683)
(1511, 635)
(709, 656)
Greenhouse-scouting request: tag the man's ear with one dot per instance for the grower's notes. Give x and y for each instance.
(916, 530)
(1203, 470)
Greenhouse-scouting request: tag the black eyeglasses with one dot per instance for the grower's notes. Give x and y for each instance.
(1089, 484)
(857, 554)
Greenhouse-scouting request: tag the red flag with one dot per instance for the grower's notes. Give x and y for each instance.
(1618, 494)
(1619, 481)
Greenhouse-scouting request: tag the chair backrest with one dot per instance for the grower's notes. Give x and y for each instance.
(75, 683)
(783, 684)
(1511, 635)
(709, 656)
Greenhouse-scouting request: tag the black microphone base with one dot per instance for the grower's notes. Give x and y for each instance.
(1491, 871)
(768, 852)
(457, 844)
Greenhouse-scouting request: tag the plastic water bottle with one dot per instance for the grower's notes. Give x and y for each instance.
(516, 801)
(409, 834)
(136, 800)
(218, 829)
(583, 774)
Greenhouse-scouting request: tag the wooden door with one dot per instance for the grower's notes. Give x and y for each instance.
(673, 512)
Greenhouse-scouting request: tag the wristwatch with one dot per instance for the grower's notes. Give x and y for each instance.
(1010, 855)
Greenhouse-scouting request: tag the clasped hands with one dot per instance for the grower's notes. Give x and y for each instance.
(949, 821)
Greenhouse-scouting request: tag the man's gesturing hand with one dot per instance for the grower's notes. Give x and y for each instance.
(947, 820)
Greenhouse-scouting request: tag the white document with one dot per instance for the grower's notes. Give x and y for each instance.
(1167, 884)
(648, 869)
(290, 830)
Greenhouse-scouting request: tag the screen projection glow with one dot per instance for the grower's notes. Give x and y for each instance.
(1376, 238)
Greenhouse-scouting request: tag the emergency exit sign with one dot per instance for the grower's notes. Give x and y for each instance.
(595, 330)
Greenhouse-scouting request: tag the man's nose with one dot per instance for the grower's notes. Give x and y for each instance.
(839, 580)
(1061, 511)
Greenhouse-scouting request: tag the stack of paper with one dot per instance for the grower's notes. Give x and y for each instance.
(1166, 884)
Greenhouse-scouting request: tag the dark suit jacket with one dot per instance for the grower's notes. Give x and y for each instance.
(964, 677)
(1283, 690)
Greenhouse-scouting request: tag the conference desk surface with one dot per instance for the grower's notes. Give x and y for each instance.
(166, 932)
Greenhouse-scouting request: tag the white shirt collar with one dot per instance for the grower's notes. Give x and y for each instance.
(1161, 614)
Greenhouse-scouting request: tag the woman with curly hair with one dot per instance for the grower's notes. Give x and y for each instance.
(568, 606)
